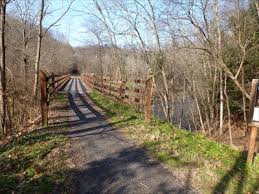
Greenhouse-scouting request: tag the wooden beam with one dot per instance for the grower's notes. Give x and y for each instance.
(44, 97)
(148, 100)
(252, 143)
(252, 99)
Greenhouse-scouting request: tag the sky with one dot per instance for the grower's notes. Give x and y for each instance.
(72, 24)
(75, 29)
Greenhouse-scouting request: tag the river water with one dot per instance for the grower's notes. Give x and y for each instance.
(181, 112)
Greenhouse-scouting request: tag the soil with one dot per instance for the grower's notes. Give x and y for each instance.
(239, 137)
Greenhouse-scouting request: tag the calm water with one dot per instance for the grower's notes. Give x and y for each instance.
(182, 114)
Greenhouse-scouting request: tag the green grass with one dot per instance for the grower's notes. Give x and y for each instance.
(26, 166)
(214, 167)
(61, 98)
(35, 162)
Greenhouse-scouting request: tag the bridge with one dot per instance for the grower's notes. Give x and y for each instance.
(112, 162)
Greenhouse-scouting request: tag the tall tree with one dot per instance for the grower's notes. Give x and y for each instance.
(3, 93)
(257, 7)
(25, 11)
(38, 55)
(41, 34)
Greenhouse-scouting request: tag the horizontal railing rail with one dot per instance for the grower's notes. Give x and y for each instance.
(48, 86)
(59, 83)
(135, 92)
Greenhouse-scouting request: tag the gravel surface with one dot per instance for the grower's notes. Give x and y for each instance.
(108, 161)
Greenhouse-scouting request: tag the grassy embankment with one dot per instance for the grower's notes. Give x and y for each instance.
(35, 162)
(213, 167)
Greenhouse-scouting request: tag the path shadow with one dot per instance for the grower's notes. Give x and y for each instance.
(129, 170)
(108, 112)
(87, 131)
(82, 124)
(256, 185)
(126, 169)
(64, 117)
(238, 172)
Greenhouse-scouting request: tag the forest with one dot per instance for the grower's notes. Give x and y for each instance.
(200, 53)
(26, 47)
(197, 61)
(203, 53)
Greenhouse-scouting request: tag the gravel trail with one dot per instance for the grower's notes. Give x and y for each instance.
(108, 161)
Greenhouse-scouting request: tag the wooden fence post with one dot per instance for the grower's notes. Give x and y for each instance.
(94, 81)
(44, 97)
(252, 143)
(52, 80)
(253, 126)
(102, 84)
(148, 100)
(252, 99)
(122, 90)
(110, 85)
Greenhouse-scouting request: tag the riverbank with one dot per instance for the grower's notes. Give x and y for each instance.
(211, 167)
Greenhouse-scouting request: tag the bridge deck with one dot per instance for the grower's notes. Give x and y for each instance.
(109, 162)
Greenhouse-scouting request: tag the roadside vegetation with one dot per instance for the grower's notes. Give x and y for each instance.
(36, 162)
(33, 163)
(28, 45)
(212, 167)
(202, 56)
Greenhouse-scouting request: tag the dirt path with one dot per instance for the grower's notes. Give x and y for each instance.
(108, 162)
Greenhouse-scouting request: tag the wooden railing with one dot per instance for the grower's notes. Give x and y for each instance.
(48, 86)
(137, 93)
(253, 125)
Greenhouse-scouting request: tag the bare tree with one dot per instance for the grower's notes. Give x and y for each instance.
(196, 43)
(3, 94)
(257, 7)
(25, 11)
(39, 41)
(40, 35)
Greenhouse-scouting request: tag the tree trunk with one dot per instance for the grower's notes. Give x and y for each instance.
(244, 103)
(212, 107)
(221, 92)
(25, 57)
(3, 95)
(194, 120)
(221, 111)
(229, 113)
(39, 41)
(257, 7)
(198, 108)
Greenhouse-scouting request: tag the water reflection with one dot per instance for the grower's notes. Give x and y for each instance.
(182, 116)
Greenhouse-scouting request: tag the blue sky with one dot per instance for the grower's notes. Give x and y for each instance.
(72, 25)
(75, 29)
